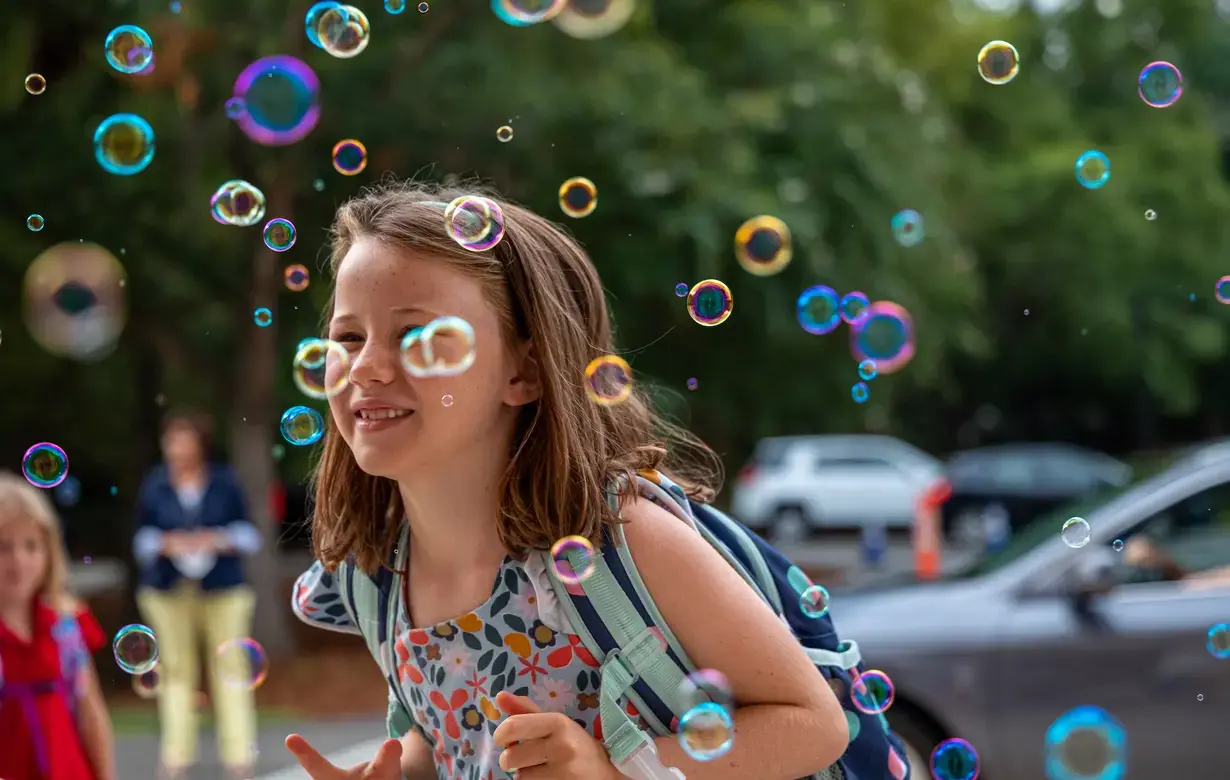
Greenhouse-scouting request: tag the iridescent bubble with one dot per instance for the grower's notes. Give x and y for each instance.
(45, 465)
(853, 307)
(1075, 532)
(998, 63)
(235, 107)
(128, 49)
(394, 7)
(590, 19)
(1092, 169)
(36, 84)
(814, 601)
(1218, 642)
(281, 96)
(867, 370)
(693, 383)
(681, 289)
(35, 222)
(608, 380)
(954, 759)
(1150, 214)
(446, 400)
(311, 20)
(474, 222)
(1117, 545)
(241, 663)
(321, 368)
(124, 144)
(710, 303)
(819, 310)
(344, 31)
(763, 246)
(872, 692)
(860, 392)
(302, 425)
(1160, 85)
(446, 346)
(706, 732)
(1085, 743)
(908, 227)
(262, 317)
(573, 559)
(886, 335)
(74, 300)
(706, 685)
(525, 12)
(279, 234)
(349, 157)
(1221, 291)
(578, 197)
(423, 8)
(504, 133)
(135, 648)
(296, 277)
(237, 202)
(497, 7)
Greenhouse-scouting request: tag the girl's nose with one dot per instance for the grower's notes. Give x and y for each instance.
(374, 364)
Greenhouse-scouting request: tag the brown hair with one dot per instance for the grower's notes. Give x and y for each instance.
(200, 423)
(19, 499)
(566, 447)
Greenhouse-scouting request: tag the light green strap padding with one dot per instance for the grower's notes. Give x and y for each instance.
(621, 735)
(357, 587)
(399, 720)
(846, 658)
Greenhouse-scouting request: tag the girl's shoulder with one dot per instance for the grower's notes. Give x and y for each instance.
(317, 600)
(76, 614)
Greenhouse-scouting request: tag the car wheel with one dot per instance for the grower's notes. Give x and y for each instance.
(919, 738)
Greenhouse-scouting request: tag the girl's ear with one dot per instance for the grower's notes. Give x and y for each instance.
(525, 384)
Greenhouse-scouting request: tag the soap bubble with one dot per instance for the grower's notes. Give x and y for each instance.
(135, 649)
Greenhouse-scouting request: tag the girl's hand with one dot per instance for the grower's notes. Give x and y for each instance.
(547, 745)
(385, 766)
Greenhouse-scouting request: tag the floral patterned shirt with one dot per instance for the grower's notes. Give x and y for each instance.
(451, 672)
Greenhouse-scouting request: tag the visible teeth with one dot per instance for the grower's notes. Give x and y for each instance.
(382, 414)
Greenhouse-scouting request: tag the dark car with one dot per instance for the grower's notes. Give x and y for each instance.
(1007, 486)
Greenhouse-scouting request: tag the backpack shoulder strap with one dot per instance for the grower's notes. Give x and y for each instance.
(70, 643)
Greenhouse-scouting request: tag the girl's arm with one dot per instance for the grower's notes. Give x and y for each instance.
(94, 723)
(788, 723)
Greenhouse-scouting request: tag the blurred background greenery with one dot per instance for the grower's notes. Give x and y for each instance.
(1042, 310)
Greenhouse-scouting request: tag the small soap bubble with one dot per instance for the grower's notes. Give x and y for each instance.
(446, 346)
(296, 277)
(763, 246)
(574, 559)
(872, 692)
(860, 392)
(68, 492)
(692, 383)
(147, 685)
(35, 222)
(1117, 545)
(1075, 532)
(608, 380)
(446, 400)
(1092, 169)
(706, 685)
(814, 601)
(236, 107)
(998, 63)
(423, 8)
(124, 144)
(475, 223)
(279, 234)
(302, 425)
(45, 465)
(710, 303)
(241, 663)
(706, 732)
(504, 134)
(853, 307)
(954, 759)
(1221, 291)
(349, 157)
(36, 84)
(135, 648)
(681, 289)
(1086, 742)
(129, 49)
(319, 185)
(394, 6)
(867, 370)
(1218, 642)
(176, 7)
(237, 202)
(908, 227)
(578, 197)
(1160, 85)
(819, 310)
(262, 317)
(321, 368)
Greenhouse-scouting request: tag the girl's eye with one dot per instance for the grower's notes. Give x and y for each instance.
(406, 331)
(348, 337)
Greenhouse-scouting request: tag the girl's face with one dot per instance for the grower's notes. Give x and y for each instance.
(23, 558)
(399, 426)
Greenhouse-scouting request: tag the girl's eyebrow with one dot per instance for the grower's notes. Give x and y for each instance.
(346, 317)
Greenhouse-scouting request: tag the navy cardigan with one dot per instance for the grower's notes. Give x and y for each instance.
(222, 506)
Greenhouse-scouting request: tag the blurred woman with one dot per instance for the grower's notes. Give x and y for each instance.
(193, 528)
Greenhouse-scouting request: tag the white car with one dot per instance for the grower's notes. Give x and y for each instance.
(833, 482)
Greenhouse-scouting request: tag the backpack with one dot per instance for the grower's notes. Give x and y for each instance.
(641, 660)
(74, 655)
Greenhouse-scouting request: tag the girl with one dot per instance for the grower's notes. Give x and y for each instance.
(508, 457)
(53, 722)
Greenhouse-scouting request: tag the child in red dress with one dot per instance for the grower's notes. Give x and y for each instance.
(53, 722)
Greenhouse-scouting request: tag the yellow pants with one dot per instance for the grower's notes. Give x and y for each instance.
(182, 620)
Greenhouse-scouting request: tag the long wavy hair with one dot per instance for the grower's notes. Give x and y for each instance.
(566, 448)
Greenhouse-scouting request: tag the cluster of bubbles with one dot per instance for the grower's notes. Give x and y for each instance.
(867, 371)
(341, 30)
(881, 332)
(240, 662)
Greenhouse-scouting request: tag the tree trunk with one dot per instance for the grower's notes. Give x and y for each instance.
(252, 421)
